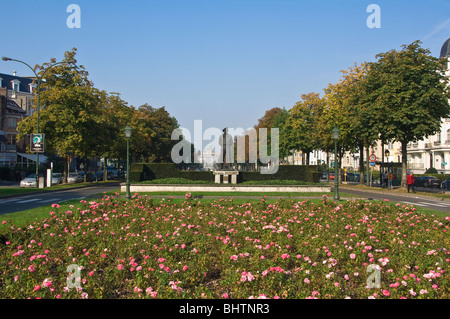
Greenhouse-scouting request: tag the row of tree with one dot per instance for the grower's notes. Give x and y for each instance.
(79, 120)
(402, 96)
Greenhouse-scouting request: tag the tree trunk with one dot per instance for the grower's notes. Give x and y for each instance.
(85, 170)
(361, 164)
(105, 170)
(404, 163)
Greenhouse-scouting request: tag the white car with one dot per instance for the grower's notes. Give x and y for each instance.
(72, 178)
(29, 181)
(56, 178)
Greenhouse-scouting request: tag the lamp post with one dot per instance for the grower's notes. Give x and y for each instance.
(388, 168)
(39, 80)
(127, 136)
(335, 135)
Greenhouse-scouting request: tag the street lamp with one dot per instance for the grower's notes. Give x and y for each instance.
(335, 134)
(39, 80)
(388, 168)
(127, 136)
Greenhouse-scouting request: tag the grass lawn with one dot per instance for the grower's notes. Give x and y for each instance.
(7, 191)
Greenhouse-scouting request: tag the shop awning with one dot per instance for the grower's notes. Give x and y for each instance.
(32, 157)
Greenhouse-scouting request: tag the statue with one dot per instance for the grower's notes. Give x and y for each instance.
(226, 142)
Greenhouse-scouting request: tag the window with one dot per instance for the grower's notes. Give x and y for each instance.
(438, 137)
(1, 82)
(12, 122)
(15, 85)
(448, 135)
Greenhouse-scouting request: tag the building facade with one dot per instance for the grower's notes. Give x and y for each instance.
(16, 94)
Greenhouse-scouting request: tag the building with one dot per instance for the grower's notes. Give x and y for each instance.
(15, 104)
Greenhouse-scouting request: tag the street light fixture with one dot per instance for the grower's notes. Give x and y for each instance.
(39, 80)
(335, 134)
(388, 168)
(127, 136)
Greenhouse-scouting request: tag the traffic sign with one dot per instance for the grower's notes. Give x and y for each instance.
(372, 157)
(372, 163)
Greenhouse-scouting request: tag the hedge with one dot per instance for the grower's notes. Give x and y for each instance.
(149, 171)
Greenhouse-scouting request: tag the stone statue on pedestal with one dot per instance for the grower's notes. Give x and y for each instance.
(226, 143)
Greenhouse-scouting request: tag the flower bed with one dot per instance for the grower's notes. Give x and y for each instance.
(111, 248)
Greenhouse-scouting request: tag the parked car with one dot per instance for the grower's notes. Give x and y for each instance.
(29, 181)
(89, 177)
(446, 184)
(56, 178)
(98, 176)
(427, 181)
(73, 178)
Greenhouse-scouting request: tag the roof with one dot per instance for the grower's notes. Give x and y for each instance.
(445, 50)
(24, 82)
(13, 106)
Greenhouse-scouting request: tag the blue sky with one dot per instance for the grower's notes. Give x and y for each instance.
(224, 62)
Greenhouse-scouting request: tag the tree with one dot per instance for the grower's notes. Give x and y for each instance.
(72, 117)
(155, 126)
(408, 94)
(348, 112)
(299, 130)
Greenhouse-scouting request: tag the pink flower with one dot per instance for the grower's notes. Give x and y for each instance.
(225, 295)
(120, 267)
(185, 267)
(352, 256)
(37, 287)
(84, 295)
(4, 222)
(234, 257)
(284, 256)
(386, 292)
(31, 268)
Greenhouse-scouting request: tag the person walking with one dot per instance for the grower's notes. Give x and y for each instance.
(410, 181)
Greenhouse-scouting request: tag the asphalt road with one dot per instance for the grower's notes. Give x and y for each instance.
(408, 198)
(30, 201)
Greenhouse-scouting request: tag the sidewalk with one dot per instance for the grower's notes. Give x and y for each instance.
(397, 190)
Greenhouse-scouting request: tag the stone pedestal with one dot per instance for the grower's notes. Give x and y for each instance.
(224, 177)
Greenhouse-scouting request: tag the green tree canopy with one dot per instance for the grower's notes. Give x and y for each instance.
(407, 92)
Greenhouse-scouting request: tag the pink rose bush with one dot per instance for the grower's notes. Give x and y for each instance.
(146, 249)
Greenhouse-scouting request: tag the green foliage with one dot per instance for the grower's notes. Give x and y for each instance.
(431, 170)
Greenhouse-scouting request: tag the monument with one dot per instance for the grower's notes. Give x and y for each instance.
(225, 171)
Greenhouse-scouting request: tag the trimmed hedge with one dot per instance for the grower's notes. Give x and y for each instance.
(149, 171)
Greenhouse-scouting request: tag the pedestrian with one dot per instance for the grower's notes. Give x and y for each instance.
(391, 178)
(410, 181)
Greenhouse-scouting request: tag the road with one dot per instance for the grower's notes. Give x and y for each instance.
(26, 202)
(408, 198)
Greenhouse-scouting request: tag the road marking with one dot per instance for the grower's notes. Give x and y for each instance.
(55, 200)
(27, 201)
(433, 204)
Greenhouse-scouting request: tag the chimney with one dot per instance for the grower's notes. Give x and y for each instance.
(14, 72)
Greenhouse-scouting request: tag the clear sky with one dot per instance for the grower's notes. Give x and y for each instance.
(224, 62)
